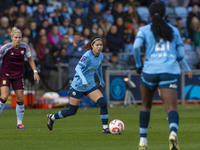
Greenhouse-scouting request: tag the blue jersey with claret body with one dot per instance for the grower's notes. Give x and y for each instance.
(161, 56)
(89, 65)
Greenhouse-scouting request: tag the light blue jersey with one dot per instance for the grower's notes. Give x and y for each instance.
(86, 68)
(162, 56)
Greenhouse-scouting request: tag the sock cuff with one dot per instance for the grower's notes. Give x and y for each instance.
(2, 100)
(173, 117)
(101, 102)
(20, 103)
(144, 119)
(100, 99)
(73, 106)
(144, 112)
(172, 112)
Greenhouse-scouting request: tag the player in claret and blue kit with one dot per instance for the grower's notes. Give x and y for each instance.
(12, 71)
(84, 84)
(164, 48)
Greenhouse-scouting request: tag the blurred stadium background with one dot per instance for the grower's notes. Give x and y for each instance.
(117, 22)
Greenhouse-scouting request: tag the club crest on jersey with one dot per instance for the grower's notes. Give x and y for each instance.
(73, 93)
(4, 82)
(83, 59)
(22, 52)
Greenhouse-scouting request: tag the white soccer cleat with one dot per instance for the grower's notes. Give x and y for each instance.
(143, 146)
(173, 142)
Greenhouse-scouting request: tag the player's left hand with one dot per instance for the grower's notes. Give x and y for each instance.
(102, 84)
(36, 77)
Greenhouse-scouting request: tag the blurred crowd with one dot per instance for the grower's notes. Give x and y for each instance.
(56, 30)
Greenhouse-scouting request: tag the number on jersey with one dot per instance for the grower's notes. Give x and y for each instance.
(162, 45)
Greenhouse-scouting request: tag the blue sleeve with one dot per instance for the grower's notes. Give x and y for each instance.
(180, 52)
(136, 51)
(3, 50)
(185, 64)
(82, 64)
(80, 73)
(100, 75)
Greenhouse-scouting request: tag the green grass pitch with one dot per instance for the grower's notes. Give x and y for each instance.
(84, 130)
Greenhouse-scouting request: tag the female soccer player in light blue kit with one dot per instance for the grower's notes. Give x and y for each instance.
(164, 48)
(84, 84)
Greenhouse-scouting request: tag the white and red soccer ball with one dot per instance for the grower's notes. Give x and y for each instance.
(116, 126)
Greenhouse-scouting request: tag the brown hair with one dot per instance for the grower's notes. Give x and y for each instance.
(91, 42)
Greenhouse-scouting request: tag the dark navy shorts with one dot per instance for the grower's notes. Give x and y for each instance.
(77, 94)
(17, 84)
(163, 80)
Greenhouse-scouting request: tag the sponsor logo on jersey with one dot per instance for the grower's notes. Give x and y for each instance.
(4, 82)
(83, 59)
(12, 53)
(22, 52)
(174, 86)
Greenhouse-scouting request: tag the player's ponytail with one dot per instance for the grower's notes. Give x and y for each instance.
(159, 27)
(91, 42)
(15, 30)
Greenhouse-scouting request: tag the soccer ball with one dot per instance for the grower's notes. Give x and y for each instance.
(116, 126)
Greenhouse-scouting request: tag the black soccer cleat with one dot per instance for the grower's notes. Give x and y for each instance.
(50, 122)
(105, 131)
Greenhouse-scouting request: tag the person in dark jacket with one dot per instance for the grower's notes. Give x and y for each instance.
(94, 15)
(115, 42)
(39, 15)
(194, 13)
(74, 53)
(49, 71)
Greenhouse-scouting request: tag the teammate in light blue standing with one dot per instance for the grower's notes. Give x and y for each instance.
(164, 48)
(84, 84)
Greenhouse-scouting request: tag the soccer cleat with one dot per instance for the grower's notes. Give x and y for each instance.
(50, 122)
(143, 146)
(20, 126)
(106, 131)
(173, 142)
